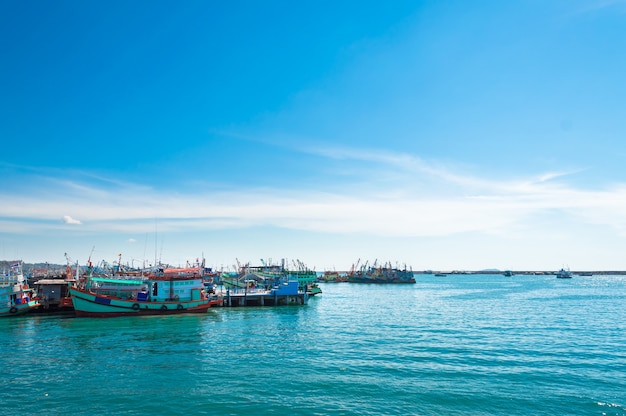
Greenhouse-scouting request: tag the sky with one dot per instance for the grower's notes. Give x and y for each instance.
(438, 135)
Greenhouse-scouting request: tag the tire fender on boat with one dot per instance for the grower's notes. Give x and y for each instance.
(13, 309)
(163, 308)
(180, 307)
(136, 306)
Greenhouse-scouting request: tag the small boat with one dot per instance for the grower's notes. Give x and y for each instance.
(313, 289)
(564, 274)
(16, 297)
(164, 292)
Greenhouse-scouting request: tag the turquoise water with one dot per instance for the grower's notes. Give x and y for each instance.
(477, 344)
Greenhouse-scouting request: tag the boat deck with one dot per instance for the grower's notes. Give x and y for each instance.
(234, 298)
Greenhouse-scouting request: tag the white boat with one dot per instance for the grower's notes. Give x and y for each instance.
(564, 274)
(16, 297)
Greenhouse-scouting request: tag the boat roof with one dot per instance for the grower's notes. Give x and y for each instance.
(182, 270)
(118, 281)
(54, 281)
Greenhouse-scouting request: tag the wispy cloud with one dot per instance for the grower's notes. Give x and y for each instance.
(476, 204)
(414, 166)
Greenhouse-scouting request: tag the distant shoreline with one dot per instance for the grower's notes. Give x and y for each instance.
(4, 264)
(529, 272)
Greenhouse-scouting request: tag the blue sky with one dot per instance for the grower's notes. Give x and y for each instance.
(441, 135)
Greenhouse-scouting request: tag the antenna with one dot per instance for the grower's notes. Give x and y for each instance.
(90, 254)
(155, 242)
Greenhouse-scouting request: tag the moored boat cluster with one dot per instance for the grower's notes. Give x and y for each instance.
(375, 273)
(111, 289)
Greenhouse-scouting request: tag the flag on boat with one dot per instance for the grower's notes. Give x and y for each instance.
(14, 265)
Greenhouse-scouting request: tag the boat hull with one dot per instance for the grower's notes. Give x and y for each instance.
(16, 298)
(382, 275)
(380, 281)
(18, 309)
(313, 290)
(88, 304)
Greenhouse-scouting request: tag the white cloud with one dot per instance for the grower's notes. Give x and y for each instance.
(453, 203)
(527, 215)
(69, 220)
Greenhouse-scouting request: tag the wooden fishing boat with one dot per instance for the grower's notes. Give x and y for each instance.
(165, 292)
(16, 297)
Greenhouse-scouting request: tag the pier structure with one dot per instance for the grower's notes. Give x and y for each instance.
(286, 293)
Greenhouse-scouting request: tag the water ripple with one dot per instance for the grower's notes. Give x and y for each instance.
(471, 345)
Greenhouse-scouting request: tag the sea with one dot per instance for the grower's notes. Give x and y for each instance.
(447, 345)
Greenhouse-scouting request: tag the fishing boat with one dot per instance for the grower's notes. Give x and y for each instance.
(331, 276)
(268, 275)
(166, 291)
(232, 280)
(53, 291)
(564, 274)
(54, 295)
(16, 297)
(307, 278)
(381, 274)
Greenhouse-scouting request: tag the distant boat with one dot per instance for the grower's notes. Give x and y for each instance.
(332, 276)
(508, 273)
(16, 297)
(382, 274)
(440, 274)
(165, 292)
(564, 274)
